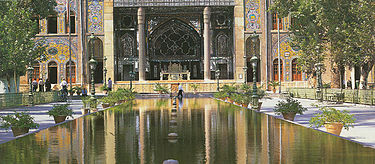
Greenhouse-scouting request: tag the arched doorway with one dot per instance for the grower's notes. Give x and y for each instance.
(52, 72)
(96, 45)
(174, 41)
(296, 71)
(67, 75)
(276, 70)
(252, 50)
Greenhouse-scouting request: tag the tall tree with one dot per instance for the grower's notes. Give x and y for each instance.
(321, 26)
(18, 27)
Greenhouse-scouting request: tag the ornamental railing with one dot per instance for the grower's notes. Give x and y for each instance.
(8, 100)
(359, 96)
(144, 3)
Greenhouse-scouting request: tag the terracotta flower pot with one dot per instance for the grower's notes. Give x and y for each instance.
(105, 105)
(334, 127)
(244, 105)
(59, 119)
(274, 90)
(230, 100)
(19, 131)
(93, 109)
(260, 105)
(223, 98)
(289, 116)
(85, 111)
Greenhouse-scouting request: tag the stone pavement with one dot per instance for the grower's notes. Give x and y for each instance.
(364, 127)
(39, 112)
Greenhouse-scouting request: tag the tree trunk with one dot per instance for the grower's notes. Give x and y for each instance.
(15, 81)
(366, 68)
(335, 78)
(8, 81)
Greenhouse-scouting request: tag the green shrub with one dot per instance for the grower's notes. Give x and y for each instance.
(61, 110)
(330, 115)
(220, 95)
(85, 101)
(160, 88)
(194, 86)
(19, 120)
(289, 106)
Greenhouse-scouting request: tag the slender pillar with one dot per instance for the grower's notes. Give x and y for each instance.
(142, 46)
(207, 42)
(109, 38)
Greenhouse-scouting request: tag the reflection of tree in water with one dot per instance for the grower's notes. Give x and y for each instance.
(161, 103)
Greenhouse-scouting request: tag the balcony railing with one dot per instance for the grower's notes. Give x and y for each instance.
(145, 3)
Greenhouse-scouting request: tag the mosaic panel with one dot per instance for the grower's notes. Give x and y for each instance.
(95, 16)
(287, 54)
(61, 24)
(43, 26)
(58, 49)
(62, 5)
(252, 14)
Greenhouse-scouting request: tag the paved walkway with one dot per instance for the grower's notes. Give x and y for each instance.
(39, 112)
(364, 127)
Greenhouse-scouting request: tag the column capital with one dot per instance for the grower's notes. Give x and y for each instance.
(141, 15)
(206, 14)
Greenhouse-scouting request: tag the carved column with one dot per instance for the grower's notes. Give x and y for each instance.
(207, 42)
(142, 46)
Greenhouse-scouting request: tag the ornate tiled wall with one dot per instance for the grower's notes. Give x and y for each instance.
(287, 54)
(252, 15)
(95, 16)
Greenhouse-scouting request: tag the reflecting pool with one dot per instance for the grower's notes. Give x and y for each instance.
(205, 131)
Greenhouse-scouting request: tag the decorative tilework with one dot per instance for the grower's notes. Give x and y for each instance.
(287, 54)
(43, 26)
(252, 13)
(62, 5)
(95, 16)
(61, 24)
(58, 49)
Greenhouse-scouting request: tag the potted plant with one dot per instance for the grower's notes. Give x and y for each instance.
(19, 122)
(86, 102)
(333, 119)
(78, 90)
(289, 108)
(104, 89)
(161, 89)
(273, 84)
(71, 91)
(229, 90)
(93, 105)
(194, 87)
(246, 100)
(60, 112)
(221, 95)
(108, 101)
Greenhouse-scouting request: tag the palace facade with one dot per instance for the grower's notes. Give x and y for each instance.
(146, 37)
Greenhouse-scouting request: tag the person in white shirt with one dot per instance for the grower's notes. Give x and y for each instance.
(180, 90)
(64, 85)
(41, 85)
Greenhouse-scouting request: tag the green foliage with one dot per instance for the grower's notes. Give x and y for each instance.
(330, 115)
(161, 89)
(18, 27)
(273, 84)
(77, 89)
(289, 106)
(85, 101)
(120, 94)
(228, 89)
(93, 103)
(344, 28)
(245, 88)
(241, 98)
(61, 110)
(220, 95)
(104, 88)
(194, 86)
(18, 119)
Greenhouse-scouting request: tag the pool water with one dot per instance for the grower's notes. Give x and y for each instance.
(205, 131)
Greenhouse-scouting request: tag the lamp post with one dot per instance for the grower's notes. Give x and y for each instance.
(318, 67)
(92, 64)
(105, 71)
(245, 69)
(255, 97)
(217, 75)
(30, 72)
(132, 76)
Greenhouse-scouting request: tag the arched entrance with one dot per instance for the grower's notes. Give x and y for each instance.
(98, 56)
(174, 41)
(52, 72)
(252, 50)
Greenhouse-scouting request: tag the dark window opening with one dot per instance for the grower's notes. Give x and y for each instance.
(52, 25)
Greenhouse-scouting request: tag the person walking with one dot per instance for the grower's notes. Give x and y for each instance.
(109, 84)
(64, 86)
(180, 90)
(41, 85)
(349, 83)
(47, 84)
(35, 85)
